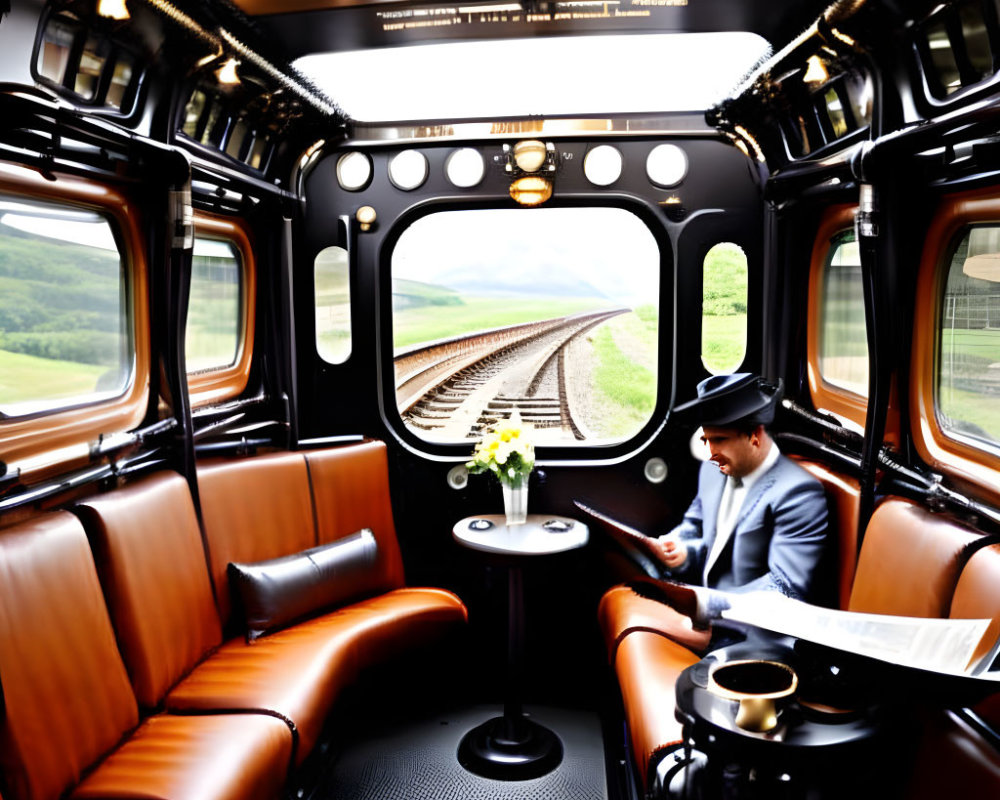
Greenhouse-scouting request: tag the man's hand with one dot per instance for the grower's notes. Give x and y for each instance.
(673, 554)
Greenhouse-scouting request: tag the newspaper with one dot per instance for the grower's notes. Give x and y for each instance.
(941, 645)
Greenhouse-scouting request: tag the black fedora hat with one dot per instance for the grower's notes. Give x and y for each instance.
(740, 398)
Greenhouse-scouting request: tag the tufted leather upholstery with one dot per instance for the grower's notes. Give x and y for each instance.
(219, 757)
(152, 564)
(648, 665)
(922, 554)
(254, 509)
(297, 672)
(67, 697)
(341, 475)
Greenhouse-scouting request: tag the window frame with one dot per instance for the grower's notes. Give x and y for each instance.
(214, 385)
(583, 452)
(946, 451)
(842, 402)
(101, 30)
(34, 439)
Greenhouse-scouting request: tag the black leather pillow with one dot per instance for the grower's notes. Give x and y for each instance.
(276, 592)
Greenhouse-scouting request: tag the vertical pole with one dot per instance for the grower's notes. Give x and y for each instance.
(512, 710)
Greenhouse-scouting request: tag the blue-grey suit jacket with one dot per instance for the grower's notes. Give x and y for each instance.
(779, 539)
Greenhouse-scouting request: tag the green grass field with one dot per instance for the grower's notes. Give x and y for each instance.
(627, 390)
(723, 342)
(24, 378)
(427, 323)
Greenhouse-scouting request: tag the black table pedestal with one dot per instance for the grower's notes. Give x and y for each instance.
(511, 747)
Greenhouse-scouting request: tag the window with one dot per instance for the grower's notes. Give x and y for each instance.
(333, 305)
(64, 324)
(968, 356)
(550, 313)
(724, 309)
(955, 47)
(86, 64)
(214, 322)
(843, 337)
(218, 339)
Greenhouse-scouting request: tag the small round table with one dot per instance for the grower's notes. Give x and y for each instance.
(512, 746)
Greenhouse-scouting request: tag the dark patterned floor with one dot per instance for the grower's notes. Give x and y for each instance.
(419, 762)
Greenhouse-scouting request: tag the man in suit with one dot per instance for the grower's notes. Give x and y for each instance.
(759, 520)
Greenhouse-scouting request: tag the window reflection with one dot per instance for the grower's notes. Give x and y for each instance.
(968, 380)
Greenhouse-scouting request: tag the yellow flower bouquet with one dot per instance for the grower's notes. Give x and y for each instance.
(506, 450)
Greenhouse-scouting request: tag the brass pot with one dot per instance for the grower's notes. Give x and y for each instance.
(757, 685)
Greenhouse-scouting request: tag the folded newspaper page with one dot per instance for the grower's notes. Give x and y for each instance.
(941, 645)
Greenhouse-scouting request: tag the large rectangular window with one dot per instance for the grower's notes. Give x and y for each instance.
(968, 358)
(65, 337)
(551, 313)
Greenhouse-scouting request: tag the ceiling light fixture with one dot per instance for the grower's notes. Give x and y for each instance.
(226, 74)
(531, 190)
(113, 9)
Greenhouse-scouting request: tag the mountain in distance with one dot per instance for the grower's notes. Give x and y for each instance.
(522, 281)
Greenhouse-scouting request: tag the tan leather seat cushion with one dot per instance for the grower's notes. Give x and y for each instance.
(339, 477)
(213, 757)
(648, 665)
(152, 563)
(297, 672)
(844, 502)
(67, 696)
(622, 611)
(254, 509)
(909, 562)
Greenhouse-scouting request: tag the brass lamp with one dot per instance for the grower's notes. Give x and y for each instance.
(531, 190)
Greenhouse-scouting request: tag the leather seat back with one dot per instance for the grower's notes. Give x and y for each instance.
(909, 562)
(843, 502)
(67, 696)
(350, 488)
(977, 594)
(151, 560)
(253, 510)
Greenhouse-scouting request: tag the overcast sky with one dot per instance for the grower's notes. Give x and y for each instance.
(607, 247)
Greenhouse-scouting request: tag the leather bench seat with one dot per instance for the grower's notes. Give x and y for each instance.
(909, 565)
(298, 672)
(71, 724)
(184, 643)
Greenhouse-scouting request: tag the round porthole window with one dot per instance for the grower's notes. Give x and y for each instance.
(666, 165)
(354, 170)
(408, 170)
(465, 168)
(603, 165)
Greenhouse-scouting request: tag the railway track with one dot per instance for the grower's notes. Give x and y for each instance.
(460, 387)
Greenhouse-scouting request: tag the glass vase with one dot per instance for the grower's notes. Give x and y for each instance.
(515, 502)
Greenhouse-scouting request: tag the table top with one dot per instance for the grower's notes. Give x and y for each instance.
(541, 534)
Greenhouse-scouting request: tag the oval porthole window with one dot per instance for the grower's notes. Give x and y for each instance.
(603, 165)
(408, 170)
(724, 308)
(465, 168)
(666, 165)
(354, 170)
